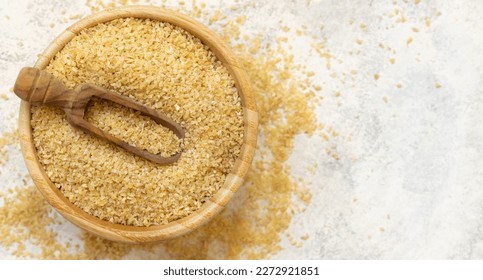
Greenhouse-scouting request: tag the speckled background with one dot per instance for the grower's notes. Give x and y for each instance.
(403, 98)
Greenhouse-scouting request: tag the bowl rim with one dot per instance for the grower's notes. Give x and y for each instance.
(134, 234)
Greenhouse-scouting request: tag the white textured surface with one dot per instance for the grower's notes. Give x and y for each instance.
(409, 179)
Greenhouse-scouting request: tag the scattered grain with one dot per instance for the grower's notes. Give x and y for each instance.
(7, 139)
(74, 17)
(409, 40)
(250, 227)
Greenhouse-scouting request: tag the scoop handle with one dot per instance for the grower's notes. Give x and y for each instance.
(42, 88)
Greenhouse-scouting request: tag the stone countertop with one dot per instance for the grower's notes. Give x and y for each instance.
(405, 177)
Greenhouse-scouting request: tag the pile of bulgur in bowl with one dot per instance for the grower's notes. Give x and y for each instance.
(166, 68)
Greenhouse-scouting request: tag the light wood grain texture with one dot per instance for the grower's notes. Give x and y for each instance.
(212, 207)
(39, 87)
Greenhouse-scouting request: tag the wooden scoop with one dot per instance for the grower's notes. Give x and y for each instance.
(41, 88)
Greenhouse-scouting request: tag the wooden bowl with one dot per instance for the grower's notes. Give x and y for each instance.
(132, 234)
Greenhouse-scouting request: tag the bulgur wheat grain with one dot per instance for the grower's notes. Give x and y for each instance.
(236, 231)
(167, 69)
